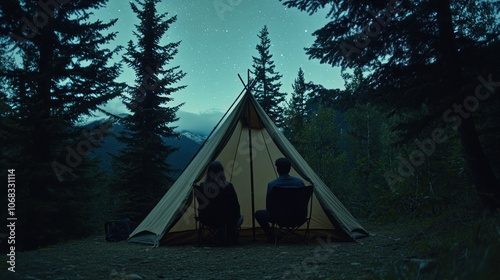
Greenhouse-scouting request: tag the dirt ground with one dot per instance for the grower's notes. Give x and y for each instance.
(93, 258)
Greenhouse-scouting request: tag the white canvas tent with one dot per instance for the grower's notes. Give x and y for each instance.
(247, 143)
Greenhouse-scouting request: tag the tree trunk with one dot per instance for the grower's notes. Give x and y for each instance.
(42, 131)
(482, 175)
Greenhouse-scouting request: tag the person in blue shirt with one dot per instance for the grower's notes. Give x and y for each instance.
(284, 180)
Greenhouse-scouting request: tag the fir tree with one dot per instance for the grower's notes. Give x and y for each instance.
(63, 74)
(322, 152)
(297, 111)
(142, 174)
(7, 125)
(267, 87)
(424, 57)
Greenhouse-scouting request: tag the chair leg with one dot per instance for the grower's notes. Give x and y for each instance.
(307, 232)
(275, 233)
(207, 235)
(203, 232)
(284, 232)
(201, 241)
(225, 235)
(287, 231)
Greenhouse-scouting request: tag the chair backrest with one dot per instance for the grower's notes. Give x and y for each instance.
(208, 212)
(289, 205)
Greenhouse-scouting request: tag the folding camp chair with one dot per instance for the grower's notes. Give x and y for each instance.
(211, 222)
(214, 233)
(290, 211)
(206, 223)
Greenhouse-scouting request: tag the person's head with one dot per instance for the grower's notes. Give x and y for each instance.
(215, 174)
(283, 166)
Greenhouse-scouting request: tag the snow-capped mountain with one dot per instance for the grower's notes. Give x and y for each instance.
(188, 144)
(194, 136)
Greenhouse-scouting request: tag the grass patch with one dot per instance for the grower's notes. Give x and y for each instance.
(452, 246)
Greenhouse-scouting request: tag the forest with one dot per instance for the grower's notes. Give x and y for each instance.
(413, 137)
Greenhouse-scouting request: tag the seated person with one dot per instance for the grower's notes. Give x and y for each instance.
(284, 180)
(220, 207)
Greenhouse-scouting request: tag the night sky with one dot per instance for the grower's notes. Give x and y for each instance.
(218, 43)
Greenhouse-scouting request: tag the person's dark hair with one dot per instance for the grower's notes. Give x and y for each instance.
(283, 166)
(216, 178)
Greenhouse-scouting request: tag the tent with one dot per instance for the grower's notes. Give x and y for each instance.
(247, 143)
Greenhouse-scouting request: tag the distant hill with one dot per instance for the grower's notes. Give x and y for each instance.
(188, 144)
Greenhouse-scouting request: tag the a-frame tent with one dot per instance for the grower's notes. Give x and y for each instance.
(247, 143)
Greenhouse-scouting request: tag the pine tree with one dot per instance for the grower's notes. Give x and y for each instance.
(322, 134)
(142, 174)
(63, 74)
(267, 87)
(297, 111)
(7, 124)
(424, 57)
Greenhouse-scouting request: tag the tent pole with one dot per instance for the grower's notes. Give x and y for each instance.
(251, 179)
(251, 160)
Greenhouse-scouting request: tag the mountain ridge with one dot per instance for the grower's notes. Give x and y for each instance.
(187, 143)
